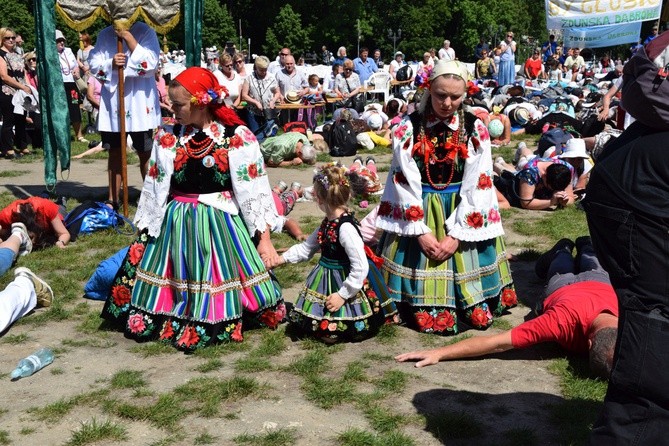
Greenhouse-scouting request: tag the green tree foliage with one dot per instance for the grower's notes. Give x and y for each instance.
(217, 25)
(288, 31)
(17, 16)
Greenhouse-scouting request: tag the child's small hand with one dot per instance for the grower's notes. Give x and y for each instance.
(271, 261)
(334, 302)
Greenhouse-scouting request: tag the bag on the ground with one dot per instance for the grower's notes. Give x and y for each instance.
(563, 105)
(98, 286)
(91, 216)
(557, 137)
(341, 139)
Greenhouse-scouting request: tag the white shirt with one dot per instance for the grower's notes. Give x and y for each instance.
(446, 54)
(233, 85)
(68, 63)
(142, 104)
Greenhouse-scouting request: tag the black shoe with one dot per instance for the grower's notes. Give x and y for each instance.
(581, 242)
(544, 262)
(93, 143)
(370, 159)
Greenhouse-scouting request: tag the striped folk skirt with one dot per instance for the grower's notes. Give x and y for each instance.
(196, 283)
(470, 287)
(359, 318)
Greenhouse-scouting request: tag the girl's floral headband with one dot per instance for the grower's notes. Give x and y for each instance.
(204, 98)
(321, 177)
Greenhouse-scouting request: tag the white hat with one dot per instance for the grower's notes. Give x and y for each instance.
(575, 148)
(399, 53)
(59, 35)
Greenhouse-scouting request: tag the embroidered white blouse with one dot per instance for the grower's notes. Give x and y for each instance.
(251, 192)
(476, 218)
(142, 103)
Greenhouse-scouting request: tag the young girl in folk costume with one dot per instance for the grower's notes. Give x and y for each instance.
(344, 297)
(194, 274)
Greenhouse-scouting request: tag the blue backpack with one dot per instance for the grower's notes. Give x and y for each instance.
(91, 216)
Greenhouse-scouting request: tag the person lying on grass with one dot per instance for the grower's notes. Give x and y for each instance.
(580, 312)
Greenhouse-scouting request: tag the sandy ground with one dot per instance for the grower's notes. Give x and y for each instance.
(501, 393)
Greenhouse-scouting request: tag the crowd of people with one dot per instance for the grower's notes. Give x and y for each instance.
(431, 255)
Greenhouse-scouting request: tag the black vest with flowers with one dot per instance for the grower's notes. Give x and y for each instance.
(207, 174)
(328, 238)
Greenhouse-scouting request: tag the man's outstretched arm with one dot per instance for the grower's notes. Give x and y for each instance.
(467, 348)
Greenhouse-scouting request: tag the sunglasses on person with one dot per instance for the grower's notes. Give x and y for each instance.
(509, 35)
(348, 69)
(239, 61)
(9, 37)
(32, 59)
(227, 66)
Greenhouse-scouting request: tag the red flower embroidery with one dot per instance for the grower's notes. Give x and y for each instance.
(385, 208)
(475, 220)
(144, 65)
(167, 331)
(424, 320)
(414, 213)
(180, 159)
(236, 141)
(167, 140)
(324, 324)
(237, 333)
(509, 298)
(479, 318)
(253, 171)
(136, 253)
(120, 295)
(136, 323)
(444, 321)
(215, 130)
(493, 216)
(270, 318)
(221, 158)
(485, 182)
(189, 337)
(153, 171)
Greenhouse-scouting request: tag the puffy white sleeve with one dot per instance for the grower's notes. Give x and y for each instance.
(155, 191)
(302, 251)
(401, 207)
(250, 183)
(477, 216)
(100, 58)
(350, 239)
(143, 61)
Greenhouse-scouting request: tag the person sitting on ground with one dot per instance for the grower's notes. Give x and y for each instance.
(542, 184)
(579, 312)
(41, 217)
(288, 149)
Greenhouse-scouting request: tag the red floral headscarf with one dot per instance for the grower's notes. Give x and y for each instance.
(201, 82)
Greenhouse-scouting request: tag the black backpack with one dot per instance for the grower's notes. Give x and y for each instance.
(341, 139)
(404, 73)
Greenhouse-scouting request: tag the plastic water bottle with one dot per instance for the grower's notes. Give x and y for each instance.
(38, 360)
